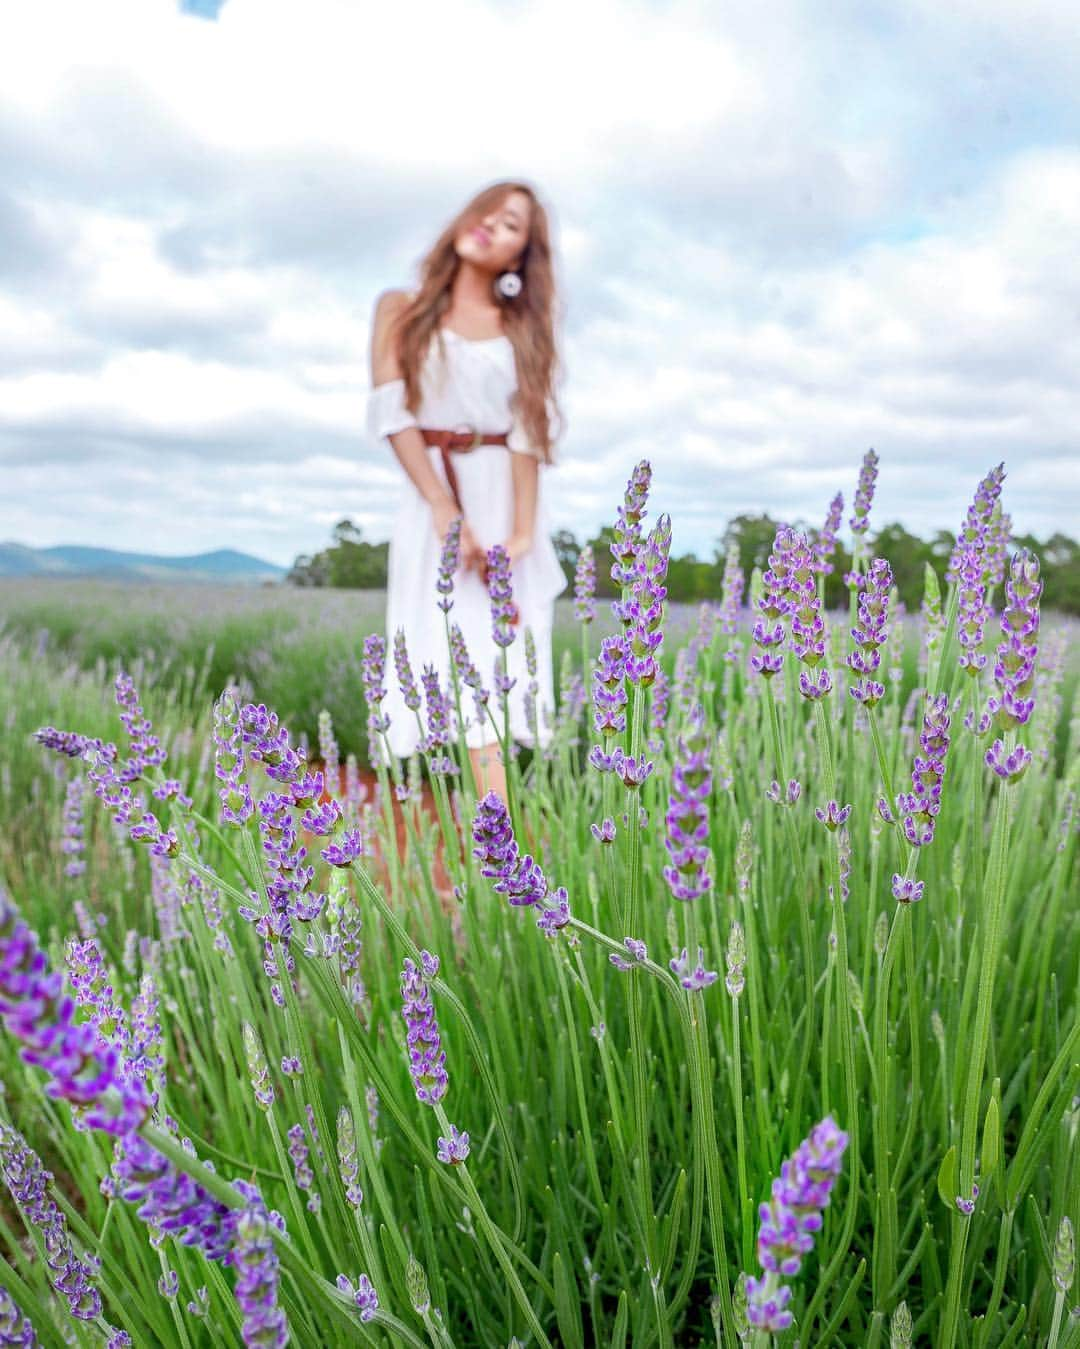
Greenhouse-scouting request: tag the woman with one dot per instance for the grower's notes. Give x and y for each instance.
(472, 352)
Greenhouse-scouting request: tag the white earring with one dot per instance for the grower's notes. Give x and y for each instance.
(508, 285)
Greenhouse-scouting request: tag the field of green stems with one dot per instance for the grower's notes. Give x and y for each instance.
(748, 1017)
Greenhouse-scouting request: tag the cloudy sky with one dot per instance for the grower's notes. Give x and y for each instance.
(785, 233)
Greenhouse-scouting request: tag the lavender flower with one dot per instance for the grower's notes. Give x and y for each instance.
(362, 1294)
(83, 1070)
(632, 770)
(870, 633)
(825, 543)
(406, 681)
(731, 589)
(833, 815)
(696, 978)
(864, 494)
(454, 1149)
(328, 749)
(609, 687)
(448, 565)
(1011, 765)
(237, 804)
(501, 595)
(627, 531)
(585, 586)
(775, 603)
(258, 1069)
(69, 743)
(16, 1329)
(372, 674)
(788, 1221)
(687, 816)
(348, 1160)
(919, 808)
(438, 722)
(71, 843)
(974, 533)
(643, 612)
(28, 1182)
(427, 1060)
(970, 569)
(256, 1262)
(298, 1154)
(1014, 671)
(906, 890)
(604, 832)
(518, 877)
(467, 671)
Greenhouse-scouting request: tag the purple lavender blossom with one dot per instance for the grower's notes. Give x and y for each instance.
(146, 750)
(501, 595)
(256, 1261)
(16, 1329)
(907, 890)
(348, 1160)
(298, 1154)
(519, 877)
(731, 589)
(372, 675)
(82, 1068)
(345, 850)
(28, 1182)
(237, 804)
(585, 586)
(1014, 671)
(695, 978)
(643, 612)
(864, 494)
(328, 749)
(870, 633)
(1010, 765)
(627, 530)
(834, 815)
(405, 678)
(69, 743)
(973, 534)
(918, 809)
(609, 687)
(774, 604)
(604, 832)
(438, 722)
(454, 1149)
(825, 543)
(467, 671)
(427, 1059)
(789, 1220)
(72, 840)
(632, 770)
(448, 565)
(363, 1294)
(687, 816)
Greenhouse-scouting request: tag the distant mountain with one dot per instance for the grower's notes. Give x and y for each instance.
(70, 560)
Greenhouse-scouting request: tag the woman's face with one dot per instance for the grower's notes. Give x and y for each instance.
(498, 238)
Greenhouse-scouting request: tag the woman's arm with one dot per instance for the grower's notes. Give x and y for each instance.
(525, 474)
(408, 444)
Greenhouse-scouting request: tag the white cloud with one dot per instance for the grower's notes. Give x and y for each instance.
(783, 239)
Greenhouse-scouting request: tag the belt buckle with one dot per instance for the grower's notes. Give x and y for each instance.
(465, 428)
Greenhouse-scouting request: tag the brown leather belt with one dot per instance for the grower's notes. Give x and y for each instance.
(461, 442)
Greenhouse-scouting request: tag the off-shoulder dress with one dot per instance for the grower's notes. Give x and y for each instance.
(466, 382)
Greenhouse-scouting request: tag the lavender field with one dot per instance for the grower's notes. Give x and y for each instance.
(749, 1017)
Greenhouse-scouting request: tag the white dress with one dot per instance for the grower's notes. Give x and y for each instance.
(473, 388)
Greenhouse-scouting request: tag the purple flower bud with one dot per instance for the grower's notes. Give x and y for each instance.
(864, 493)
(833, 815)
(500, 593)
(1010, 766)
(427, 1060)
(405, 677)
(605, 831)
(825, 543)
(692, 979)
(448, 565)
(454, 1149)
(585, 586)
(907, 890)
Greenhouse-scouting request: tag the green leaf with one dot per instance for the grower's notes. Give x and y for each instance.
(947, 1180)
(991, 1144)
(622, 1320)
(567, 1305)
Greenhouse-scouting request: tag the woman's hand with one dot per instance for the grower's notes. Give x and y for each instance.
(443, 515)
(517, 545)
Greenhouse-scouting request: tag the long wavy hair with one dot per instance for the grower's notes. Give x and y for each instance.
(528, 319)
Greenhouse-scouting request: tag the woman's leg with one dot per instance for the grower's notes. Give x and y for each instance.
(488, 769)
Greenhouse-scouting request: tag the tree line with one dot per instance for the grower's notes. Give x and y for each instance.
(351, 562)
